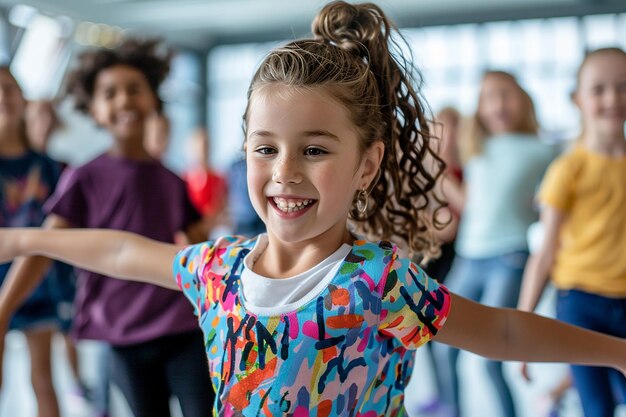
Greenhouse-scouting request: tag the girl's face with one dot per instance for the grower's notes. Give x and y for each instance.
(501, 105)
(12, 103)
(122, 102)
(601, 94)
(304, 163)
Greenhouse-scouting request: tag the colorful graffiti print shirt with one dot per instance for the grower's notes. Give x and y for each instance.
(348, 352)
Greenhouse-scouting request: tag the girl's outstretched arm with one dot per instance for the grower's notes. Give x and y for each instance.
(113, 253)
(538, 267)
(24, 276)
(509, 334)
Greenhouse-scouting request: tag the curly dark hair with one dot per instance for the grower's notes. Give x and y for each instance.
(148, 56)
(356, 55)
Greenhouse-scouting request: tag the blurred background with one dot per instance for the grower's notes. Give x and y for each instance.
(218, 44)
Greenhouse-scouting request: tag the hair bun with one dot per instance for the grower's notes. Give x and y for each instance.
(352, 27)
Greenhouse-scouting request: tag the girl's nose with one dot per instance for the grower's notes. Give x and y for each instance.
(286, 171)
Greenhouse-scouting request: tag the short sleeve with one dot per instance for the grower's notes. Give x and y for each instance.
(188, 271)
(68, 199)
(414, 306)
(557, 188)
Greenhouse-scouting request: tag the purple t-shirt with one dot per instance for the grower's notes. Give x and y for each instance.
(136, 196)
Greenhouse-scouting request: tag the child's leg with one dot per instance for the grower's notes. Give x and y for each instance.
(594, 389)
(139, 373)
(188, 375)
(503, 282)
(100, 389)
(592, 312)
(465, 279)
(618, 382)
(39, 345)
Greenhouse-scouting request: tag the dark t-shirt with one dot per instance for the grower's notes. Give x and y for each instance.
(136, 196)
(26, 182)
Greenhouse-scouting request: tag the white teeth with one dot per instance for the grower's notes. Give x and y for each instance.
(289, 206)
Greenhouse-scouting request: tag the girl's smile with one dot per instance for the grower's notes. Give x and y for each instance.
(290, 207)
(305, 165)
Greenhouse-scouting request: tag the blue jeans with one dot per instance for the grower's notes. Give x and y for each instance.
(600, 389)
(495, 282)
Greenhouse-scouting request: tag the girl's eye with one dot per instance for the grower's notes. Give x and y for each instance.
(265, 150)
(108, 94)
(597, 90)
(314, 152)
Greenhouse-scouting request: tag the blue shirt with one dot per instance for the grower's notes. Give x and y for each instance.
(500, 188)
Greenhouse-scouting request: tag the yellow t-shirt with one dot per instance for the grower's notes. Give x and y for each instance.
(590, 189)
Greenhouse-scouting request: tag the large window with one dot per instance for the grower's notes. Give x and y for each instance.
(230, 69)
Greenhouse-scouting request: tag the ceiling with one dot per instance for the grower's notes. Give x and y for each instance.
(200, 24)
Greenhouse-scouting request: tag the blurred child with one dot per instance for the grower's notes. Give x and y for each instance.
(27, 178)
(207, 189)
(42, 121)
(584, 221)
(446, 127)
(155, 345)
(157, 138)
(310, 319)
(503, 163)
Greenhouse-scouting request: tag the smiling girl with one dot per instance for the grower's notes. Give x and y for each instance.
(312, 318)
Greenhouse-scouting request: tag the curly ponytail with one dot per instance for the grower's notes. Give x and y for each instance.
(356, 57)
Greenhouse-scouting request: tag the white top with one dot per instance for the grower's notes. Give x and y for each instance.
(274, 296)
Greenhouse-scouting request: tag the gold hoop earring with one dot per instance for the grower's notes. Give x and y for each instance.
(362, 200)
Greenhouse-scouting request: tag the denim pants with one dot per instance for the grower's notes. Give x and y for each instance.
(493, 281)
(600, 389)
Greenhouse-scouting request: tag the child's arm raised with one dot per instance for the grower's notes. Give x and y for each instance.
(113, 253)
(508, 334)
(538, 267)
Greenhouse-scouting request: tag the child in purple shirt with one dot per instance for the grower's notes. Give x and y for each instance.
(152, 331)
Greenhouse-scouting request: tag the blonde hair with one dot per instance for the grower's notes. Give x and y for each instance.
(355, 56)
(474, 133)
